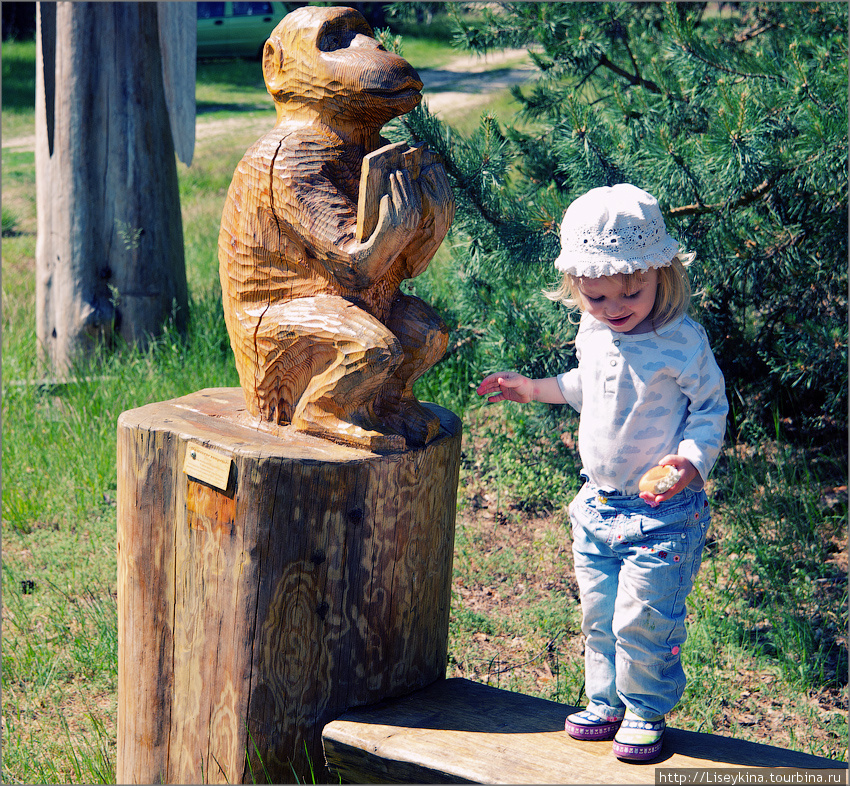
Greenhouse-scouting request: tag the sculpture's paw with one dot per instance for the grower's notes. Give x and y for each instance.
(418, 423)
(321, 423)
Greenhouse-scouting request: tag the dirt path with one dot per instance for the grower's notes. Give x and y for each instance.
(469, 81)
(466, 81)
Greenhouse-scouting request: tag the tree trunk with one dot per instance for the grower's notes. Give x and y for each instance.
(109, 255)
(268, 582)
(178, 43)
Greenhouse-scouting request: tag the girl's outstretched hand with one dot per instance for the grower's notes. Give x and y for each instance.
(507, 386)
(689, 472)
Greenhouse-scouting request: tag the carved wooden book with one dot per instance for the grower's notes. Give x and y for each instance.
(375, 181)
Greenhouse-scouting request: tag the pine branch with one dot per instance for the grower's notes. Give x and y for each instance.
(692, 52)
(753, 32)
(587, 76)
(634, 79)
(632, 57)
(700, 208)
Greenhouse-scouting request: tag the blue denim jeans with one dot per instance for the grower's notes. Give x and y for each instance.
(635, 567)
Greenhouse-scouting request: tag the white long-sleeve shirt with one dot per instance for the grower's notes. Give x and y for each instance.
(643, 396)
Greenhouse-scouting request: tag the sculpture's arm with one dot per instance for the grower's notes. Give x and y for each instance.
(331, 219)
(399, 215)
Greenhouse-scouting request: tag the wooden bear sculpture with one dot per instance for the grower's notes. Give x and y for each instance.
(322, 222)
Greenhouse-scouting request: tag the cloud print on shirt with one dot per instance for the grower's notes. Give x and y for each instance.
(629, 449)
(675, 354)
(678, 338)
(658, 412)
(649, 433)
(659, 450)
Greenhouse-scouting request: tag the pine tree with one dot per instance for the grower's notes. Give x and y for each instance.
(735, 117)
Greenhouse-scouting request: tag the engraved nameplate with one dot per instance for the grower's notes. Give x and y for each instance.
(207, 465)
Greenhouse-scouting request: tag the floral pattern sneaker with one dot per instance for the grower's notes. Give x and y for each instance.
(587, 725)
(638, 739)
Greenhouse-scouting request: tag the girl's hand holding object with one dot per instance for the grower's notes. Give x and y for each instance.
(664, 481)
(660, 479)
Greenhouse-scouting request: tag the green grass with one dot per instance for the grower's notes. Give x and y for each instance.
(18, 88)
(59, 474)
(787, 595)
(425, 52)
(767, 617)
(466, 121)
(228, 86)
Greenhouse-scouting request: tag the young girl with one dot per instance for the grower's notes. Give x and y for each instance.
(649, 392)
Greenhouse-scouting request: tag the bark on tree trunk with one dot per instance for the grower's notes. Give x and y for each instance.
(109, 254)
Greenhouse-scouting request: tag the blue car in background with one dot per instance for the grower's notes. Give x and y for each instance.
(233, 29)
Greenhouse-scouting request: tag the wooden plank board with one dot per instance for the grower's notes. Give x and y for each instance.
(457, 731)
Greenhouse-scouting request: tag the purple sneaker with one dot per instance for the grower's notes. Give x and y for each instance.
(589, 726)
(638, 739)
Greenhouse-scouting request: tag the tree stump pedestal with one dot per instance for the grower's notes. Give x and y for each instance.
(267, 583)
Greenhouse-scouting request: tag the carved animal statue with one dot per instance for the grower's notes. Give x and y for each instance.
(323, 220)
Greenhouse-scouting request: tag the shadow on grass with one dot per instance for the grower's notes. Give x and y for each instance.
(208, 107)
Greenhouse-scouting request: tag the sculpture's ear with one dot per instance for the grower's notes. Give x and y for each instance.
(273, 66)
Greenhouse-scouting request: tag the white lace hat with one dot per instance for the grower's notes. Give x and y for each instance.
(614, 229)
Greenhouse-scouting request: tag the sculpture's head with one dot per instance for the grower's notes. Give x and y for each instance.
(327, 60)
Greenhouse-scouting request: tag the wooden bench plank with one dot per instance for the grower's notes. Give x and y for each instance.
(458, 731)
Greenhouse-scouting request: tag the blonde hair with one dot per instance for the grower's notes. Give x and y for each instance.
(672, 297)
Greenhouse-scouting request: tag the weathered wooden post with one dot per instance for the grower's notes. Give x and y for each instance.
(109, 255)
(285, 547)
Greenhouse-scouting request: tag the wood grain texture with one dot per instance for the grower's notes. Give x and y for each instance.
(323, 221)
(249, 618)
(457, 731)
(147, 516)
